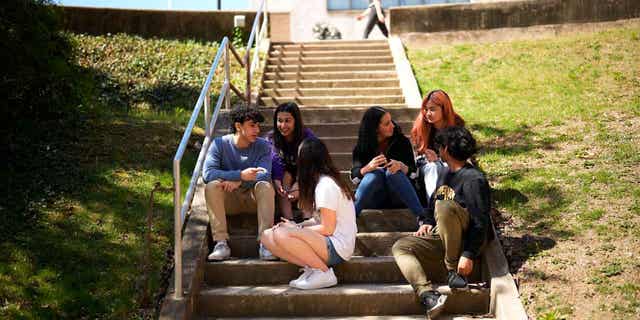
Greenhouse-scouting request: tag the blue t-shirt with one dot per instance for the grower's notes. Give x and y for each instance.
(226, 161)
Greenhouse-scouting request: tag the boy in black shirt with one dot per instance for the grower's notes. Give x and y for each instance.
(455, 228)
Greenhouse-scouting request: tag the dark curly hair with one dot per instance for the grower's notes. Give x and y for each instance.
(459, 142)
(243, 113)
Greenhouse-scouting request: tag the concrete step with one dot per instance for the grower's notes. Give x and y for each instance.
(330, 47)
(331, 67)
(279, 301)
(330, 114)
(370, 244)
(319, 92)
(341, 300)
(386, 220)
(332, 42)
(338, 83)
(342, 160)
(322, 130)
(276, 53)
(403, 317)
(333, 75)
(370, 100)
(257, 272)
(330, 60)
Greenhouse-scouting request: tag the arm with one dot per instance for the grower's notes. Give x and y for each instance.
(212, 168)
(363, 14)
(277, 165)
(406, 155)
(328, 222)
(264, 161)
(478, 201)
(357, 165)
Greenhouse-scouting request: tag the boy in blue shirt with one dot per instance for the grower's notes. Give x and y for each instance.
(237, 173)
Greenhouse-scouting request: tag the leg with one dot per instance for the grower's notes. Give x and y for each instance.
(401, 187)
(371, 21)
(371, 192)
(451, 222)
(268, 240)
(284, 204)
(309, 247)
(215, 198)
(420, 260)
(383, 28)
(263, 194)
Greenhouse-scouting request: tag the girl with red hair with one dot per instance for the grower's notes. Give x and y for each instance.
(435, 114)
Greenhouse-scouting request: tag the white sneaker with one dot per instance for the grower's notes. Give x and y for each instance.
(306, 271)
(220, 252)
(318, 279)
(265, 254)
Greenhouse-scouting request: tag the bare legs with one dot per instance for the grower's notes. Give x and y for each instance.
(302, 247)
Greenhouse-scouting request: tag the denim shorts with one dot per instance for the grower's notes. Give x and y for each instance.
(334, 258)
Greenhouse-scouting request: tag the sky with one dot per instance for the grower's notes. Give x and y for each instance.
(159, 4)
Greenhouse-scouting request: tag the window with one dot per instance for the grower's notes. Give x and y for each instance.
(363, 4)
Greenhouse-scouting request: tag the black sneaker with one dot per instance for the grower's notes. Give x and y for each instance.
(434, 302)
(456, 281)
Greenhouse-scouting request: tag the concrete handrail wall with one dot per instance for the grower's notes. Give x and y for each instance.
(508, 14)
(197, 25)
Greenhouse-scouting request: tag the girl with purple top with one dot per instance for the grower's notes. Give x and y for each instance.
(286, 136)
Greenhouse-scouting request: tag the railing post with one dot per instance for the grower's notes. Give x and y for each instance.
(227, 77)
(177, 227)
(207, 113)
(248, 66)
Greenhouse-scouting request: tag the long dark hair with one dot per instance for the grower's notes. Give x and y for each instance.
(314, 160)
(298, 131)
(367, 144)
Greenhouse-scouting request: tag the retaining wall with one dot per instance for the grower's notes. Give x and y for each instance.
(508, 14)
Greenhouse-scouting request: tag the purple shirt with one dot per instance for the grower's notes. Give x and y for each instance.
(285, 159)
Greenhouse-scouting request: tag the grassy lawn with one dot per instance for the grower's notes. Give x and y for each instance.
(78, 255)
(558, 120)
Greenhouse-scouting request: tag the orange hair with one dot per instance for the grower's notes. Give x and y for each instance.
(422, 129)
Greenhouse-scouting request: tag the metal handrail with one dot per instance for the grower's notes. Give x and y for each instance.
(182, 207)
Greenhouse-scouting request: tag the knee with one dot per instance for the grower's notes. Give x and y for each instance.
(267, 237)
(280, 235)
(394, 178)
(264, 188)
(444, 211)
(213, 189)
(372, 179)
(402, 246)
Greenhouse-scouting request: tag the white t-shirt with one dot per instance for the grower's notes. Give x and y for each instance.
(329, 195)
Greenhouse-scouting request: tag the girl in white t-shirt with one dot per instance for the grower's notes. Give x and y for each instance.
(329, 237)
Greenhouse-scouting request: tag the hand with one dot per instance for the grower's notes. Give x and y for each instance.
(293, 195)
(375, 163)
(230, 186)
(250, 174)
(423, 231)
(465, 266)
(279, 188)
(287, 223)
(394, 166)
(431, 155)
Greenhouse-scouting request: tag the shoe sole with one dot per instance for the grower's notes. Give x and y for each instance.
(315, 288)
(437, 310)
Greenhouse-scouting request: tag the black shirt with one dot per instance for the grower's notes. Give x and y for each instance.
(472, 192)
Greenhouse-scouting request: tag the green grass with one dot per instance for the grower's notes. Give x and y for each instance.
(77, 253)
(557, 120)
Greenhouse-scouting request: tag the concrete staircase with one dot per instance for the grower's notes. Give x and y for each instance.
(333, 82)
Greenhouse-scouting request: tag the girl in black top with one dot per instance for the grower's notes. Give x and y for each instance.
(382, 163)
